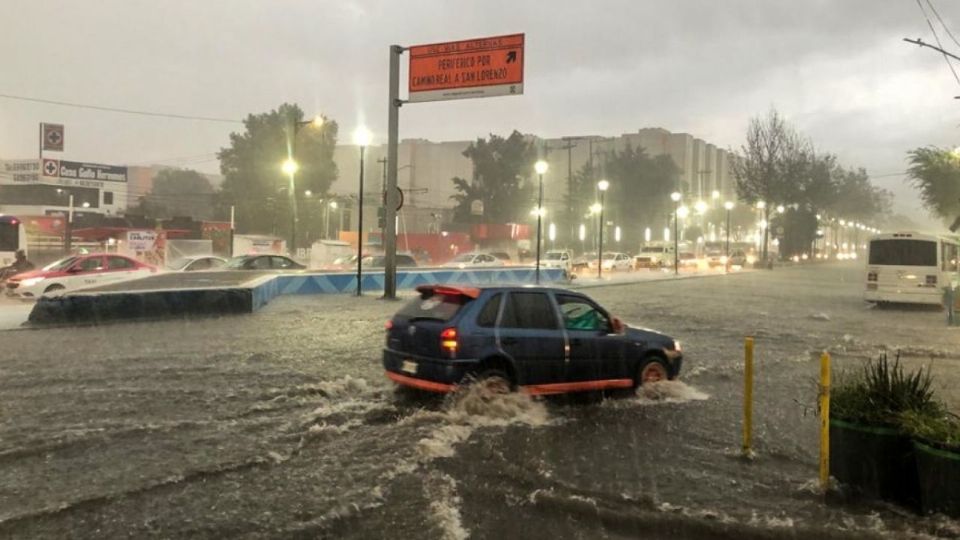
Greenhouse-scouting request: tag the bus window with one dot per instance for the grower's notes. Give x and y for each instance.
(9, 235)
(902, 252)
(949, 260)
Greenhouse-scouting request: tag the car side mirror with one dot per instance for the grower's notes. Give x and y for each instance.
(618, 326)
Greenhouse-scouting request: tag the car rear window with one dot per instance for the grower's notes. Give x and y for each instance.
(433, 306)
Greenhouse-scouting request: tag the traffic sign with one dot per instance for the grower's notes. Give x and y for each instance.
(52, 137)
(51, 168)
(399, 198)
(472, 68)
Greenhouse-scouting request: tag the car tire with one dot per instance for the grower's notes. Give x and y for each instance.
(54, 289)
(651, 369)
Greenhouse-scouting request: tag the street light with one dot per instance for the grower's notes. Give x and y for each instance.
(540, 167)
(290, 167)
(552, 232)
(361, 137)
(700, 207)
(728, 206)
(780, 209)
(602, 185)
(675, 197)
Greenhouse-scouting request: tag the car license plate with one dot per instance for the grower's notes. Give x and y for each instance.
(409, 367)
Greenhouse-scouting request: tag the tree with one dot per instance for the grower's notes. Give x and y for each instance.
(639, 194)
(253, 180)
(179, 193)
(935, 173)
(771, 166)
(501, 180)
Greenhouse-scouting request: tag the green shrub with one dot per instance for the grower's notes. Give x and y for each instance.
(880, 393)
(943, 428)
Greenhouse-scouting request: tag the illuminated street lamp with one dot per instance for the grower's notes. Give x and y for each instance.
(700, 207)
(552, 232)
(780, 209)
(675, 197)
(603, 186)
(361, 138)
(540, 167)
(761, 205)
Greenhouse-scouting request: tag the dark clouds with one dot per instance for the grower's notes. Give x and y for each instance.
(837, 69)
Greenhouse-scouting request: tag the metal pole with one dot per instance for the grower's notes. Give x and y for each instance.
(393, 129)
(727, 249)
(600, 244)
(232, 227)
(676, 238)
(68, 228)
(360, 227)
(824, 421)
(40, 145)
(539, 226)
(748, 397)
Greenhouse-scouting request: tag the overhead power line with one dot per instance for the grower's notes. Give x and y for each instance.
(940, 45)
(120, 110)
(943, 24)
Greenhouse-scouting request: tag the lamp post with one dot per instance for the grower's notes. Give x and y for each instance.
(602, 185)
(728, 206)
(361, 137)
(675, 197)
(290, 167)
(540, 167)
(332, 205)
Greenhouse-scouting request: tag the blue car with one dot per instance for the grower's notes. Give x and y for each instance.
(538, 340)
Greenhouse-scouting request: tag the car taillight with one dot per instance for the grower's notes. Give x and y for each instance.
(872, 276)
(932, 280)
(448, 340)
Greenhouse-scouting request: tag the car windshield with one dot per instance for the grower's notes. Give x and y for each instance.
(553, 256)
(464, 258)
(608, 256)
(61, 264)
(432, 306)
(180, 264)
(236, 262)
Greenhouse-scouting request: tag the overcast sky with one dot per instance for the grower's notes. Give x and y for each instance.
(838, 70)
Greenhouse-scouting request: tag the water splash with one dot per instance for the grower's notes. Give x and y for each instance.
(669, 392)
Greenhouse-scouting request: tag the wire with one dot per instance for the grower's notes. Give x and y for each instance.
(944, 25)
(936, 37)
(119, 110)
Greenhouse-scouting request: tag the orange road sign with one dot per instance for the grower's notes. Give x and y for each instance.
(472, 68)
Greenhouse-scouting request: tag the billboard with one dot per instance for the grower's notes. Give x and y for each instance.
(471, 68)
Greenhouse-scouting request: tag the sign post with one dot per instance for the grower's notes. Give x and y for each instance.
(472, 68)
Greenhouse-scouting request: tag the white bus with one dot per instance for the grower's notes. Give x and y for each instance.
(910, 267)
(13, 237)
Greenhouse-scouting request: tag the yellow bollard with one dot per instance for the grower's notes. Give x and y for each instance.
(747, 397)
(824, 421)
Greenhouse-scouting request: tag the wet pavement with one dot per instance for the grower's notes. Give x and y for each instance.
(280, 424)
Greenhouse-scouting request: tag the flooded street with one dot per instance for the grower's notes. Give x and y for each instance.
(281, 424)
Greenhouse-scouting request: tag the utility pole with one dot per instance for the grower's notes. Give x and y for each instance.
(569, 146)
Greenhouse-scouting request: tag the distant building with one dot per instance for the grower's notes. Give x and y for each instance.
(36, 188)
(425, 169)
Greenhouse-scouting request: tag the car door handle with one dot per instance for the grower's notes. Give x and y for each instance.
(509, 341)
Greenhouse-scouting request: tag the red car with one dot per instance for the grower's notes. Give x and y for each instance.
(77, 272)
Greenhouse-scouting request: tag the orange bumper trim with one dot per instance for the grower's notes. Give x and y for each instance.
(420, 384)
(584, 386)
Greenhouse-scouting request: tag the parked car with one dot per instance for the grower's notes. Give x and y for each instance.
(197, 263)
(404, 260)
(654, 257)
(473, 260)
(539, 340)
(688, 260)
(558, 259)
(503, 256)
(740, 258)
(716, 258)
(77, 272)
(614, 261)
(262, 262)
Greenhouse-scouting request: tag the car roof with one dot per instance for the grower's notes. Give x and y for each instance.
(474, 292)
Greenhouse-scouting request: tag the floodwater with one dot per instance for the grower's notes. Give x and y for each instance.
(281, 424)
